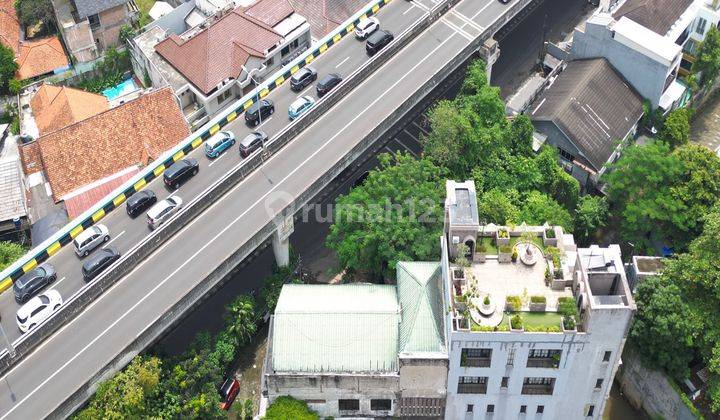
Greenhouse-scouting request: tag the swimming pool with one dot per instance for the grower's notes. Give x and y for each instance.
(127, 86)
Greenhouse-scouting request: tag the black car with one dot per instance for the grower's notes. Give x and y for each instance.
(32, 282)
(180, 171)
(99, 262)
(327, 83)
(251, 142)
(378, 41)
(139, 202)
(302, 78)
(259, 110)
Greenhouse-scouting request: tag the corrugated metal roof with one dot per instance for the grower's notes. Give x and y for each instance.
(420, 295)
(12, 191)
(336, 328)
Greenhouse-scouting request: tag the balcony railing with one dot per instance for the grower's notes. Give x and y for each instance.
(533, 389)
(475, 362)
(542, 362)
(472, 389)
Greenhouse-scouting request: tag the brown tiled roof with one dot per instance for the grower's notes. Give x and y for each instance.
(31, 159)
(9, 26)
(219, 51)
(40, 56)
(656, 15)
(270, 12)
(57, 107)
(111, 141)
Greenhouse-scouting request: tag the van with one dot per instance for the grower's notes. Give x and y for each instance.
(89, 239)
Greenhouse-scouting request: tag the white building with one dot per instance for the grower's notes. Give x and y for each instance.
(547, 369)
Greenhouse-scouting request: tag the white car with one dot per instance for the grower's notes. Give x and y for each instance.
(162, 211)
(38, 309)
(90, 238)
(366, 27)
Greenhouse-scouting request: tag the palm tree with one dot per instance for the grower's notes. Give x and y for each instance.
(241, 319)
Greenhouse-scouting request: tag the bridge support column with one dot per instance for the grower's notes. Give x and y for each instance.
(490, 52)
(281, 240)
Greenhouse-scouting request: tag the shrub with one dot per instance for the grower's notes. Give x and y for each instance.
(514, 256)
(514, 302)
(505, 249)
(288, 408)
(486, 301)
(516, 322)
(481, 248)
(502, 233)
(554, 253)
(569, 322)
(538, 299)
(549, 328)
(549, 233)
(14, 86)
(567, 307)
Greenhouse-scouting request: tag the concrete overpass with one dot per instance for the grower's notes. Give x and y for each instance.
(165, 273)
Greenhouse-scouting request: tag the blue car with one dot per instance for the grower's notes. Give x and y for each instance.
(219, 143)
(300, 106)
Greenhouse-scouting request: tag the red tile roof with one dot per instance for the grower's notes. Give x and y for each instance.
(218, 52)
(56, 107)
(104, 144)
(270, 12)
(9, 26)
(40, 56)
(77, 204)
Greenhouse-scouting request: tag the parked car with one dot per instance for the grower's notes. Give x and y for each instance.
(259, 110)
(252, 142)
(300, 106)
(302, 78)
(228, 392)
(89, 239)
(378, 41)
(328, 82)
(366, 27)
(32, 282)
(38, 309)
(138, 202)
(219, 143)
(99, 262)
(180, 171)
(162, 211)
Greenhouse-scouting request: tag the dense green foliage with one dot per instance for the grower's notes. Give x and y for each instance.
(288, 408)
(108, 72)
(8, 67)
(708, 57)
(676, 128)
(590, 215)
(31, 12)
(272, 285)
(9, 253)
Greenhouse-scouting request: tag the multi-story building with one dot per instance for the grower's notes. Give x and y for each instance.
(89, 27)
(511, 353)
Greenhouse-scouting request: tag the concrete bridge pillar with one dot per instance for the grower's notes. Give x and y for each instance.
(281, 240)
(490, 52)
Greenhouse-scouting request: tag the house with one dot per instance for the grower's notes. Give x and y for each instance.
(56, 107)
(13, 197)
(586, 112)
(211, 65)
(362, 350)
(87, 159)
(89, 27)
(35, 58)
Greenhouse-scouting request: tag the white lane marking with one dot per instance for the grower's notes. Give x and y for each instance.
(213, 239)
(412, 6)
(457, 29)
(114, 237)
(420, 5)
(343, 62)
(481, 10)
(263, 123)
(466, 20)
(57, 282)
(219, 157)
(406, 148)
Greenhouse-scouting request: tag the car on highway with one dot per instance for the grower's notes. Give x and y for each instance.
(259, 110)
(218, 143)
(328, 82)
(90, 238)
(302, 78)
(300, 106)
(180, 171)
(32, 282)
(162, 211)
(378, 41)
(366, 27)
(99, 262)
(38, 309)
(138, 202)
(252, 142)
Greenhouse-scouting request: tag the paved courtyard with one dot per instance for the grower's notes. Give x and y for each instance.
(705, 127)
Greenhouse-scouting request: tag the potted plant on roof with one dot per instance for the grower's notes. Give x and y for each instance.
(538, 303)
(549, 236)
(516, 323)
(480, 251)
(504, 254)
(502, 236)
(568, 310)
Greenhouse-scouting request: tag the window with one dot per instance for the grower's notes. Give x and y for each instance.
(538, 386)
(598, 383)
(523, 409)
(504, 382)
(349, 405)
(606, 356)
(223, 96)
(380, 405)
(540, 409)
(472, 385)
(511, 357)
(470, 408)
(590, 411)
(94, 20)
(701, 25)
(295, 43)
(544, 358)
(270, 61)
(491, 408)
(285, 51)
(475, 357)
(565, 154)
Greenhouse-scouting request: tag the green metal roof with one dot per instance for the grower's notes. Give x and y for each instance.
(419, 291)
(336, 328)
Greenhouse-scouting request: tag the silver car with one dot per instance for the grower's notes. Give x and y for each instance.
(162, 211)
(89, 239)
(38, 309)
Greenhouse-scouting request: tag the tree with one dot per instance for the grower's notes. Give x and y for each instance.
(540, 208)
(590, 215)
(127, 32)
(519, 135)
(708, 57)
(8, 67)
(14, 86)
(241, 320)
(288, 408)
(272, 285)
(451, 142)
(32, 11)
(676, 129)
(9, 253)
(499, 207)
(395, 215)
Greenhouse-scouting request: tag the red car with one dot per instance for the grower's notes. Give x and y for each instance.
(228, 392)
